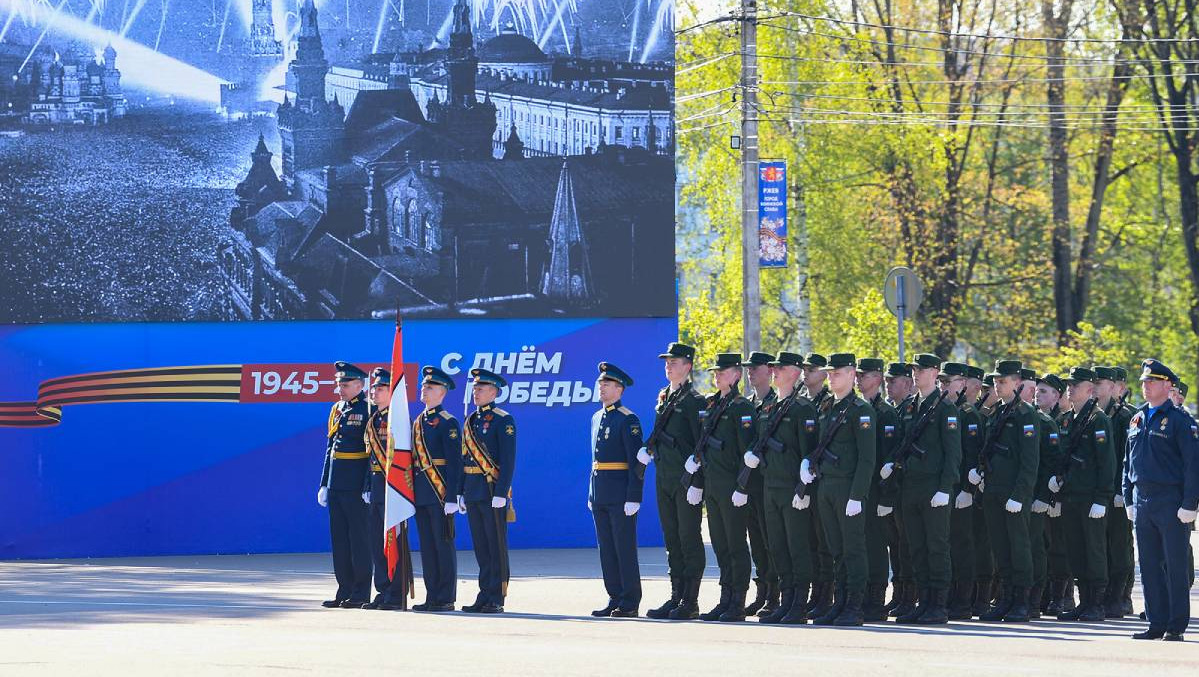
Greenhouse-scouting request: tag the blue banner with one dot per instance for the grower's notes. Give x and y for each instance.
(239, 472)
(772, 214)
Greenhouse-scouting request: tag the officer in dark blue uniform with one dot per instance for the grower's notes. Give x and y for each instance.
(488, 459)
(342, 480)
(437, 471)
(374, 491)
(1161, 496)
(615, 494)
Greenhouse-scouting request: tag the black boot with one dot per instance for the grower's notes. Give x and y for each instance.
(688, 608)
(851, 613)
(606, 611)
(873, 609)
(907, 601)
(896, 586)
(821, 602)
(783, 608)
(676, 596)
(830, 617)
(935, 612)
(735, 611)
(1083, 600)
(1068, 596)
(726, 595)
(982, 596)
(918, 610)
(798, 614)
(772, 599)
(1126, 600)
(1113, 605)
(999, 609)
(761, 590)
(1094, 612)
(1034, 602)
(959, 601)
(1018, 611)
(1057, 589)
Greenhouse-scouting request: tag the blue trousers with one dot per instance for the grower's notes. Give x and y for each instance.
(351, 545)
(490, 555)
(1162, 547)
(616, 534)
(438, 559)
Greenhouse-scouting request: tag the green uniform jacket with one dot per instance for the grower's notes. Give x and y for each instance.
(1121, 420)
(677, 440)
(733, 434)
(854, 445)
(888, 435)
(973, 431)
(1051, 458)
(1013, 465)
(797, 434)
(941, 441)
(1090, 481)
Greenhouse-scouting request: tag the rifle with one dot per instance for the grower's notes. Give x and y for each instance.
(908, 446)
(1077, 426)
(991, 441)
(821, 452)
(961, 399)
(705, 435)
(1117, 405)
(820, 397)
(660, 421)
(766, 442)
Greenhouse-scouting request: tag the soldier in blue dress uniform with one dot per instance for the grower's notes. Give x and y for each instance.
(1161, 498)
(615, 494)
(342, 479)
(437, 474)
(488, 457)
(374, 491)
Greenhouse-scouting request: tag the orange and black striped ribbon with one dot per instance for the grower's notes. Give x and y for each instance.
(205, 383)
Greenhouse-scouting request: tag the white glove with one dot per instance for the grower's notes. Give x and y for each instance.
(805, 472)
(631, 508)
(964, 500)
(450, 507)
(1013, 506)
(883, 510)
(1187, 516)
(1131, 512)
(1097, 511)
(694, 495)
(853, 508)
(886, 470)
(366, 497)
(939, 500)
(801, 503)
(1118, 501)
(322, 497)
(751, 460)
(691, 465)
(974, 477)
(461, 505)
(1055, 510)
(589, 506)
(498, 501)
(739, 499)
(1054, 485)
(643, 456)
(1040, 506)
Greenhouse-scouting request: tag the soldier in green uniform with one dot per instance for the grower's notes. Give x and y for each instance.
(845, 473)
(1038, 518)
(955, 380)
(672, 442)
(903, 585)
(1083, 485)
(925, 488)
(879, 509)
(1008, 462)
(1050, 389)
(1119, 529)
(816, 390)
(766, 583)
(788, 530)
(728, 430)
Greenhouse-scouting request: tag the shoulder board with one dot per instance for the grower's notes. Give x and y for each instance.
(334, 407)
(500, 412)
(625, 410)
(446, 415)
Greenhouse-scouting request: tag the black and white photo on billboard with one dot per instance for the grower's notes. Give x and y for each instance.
(335, 159)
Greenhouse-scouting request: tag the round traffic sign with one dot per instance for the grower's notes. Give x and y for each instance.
(903, 288)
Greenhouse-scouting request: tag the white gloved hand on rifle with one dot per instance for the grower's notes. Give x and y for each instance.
(739, 499)
(691, 465)
(939, 500)
(643, 456)
(805, 472)
(964, 500)
(751, 459)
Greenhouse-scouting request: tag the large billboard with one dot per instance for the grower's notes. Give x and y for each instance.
(500, 174)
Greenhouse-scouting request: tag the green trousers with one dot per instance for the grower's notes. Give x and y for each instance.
(878, 561)
(928, 534)
(1039, 543)
(1008, 535)
(1119, 546)
(822, 557)
(789, 533)
(1086, 543)
(846, 536)
(1059, 562)
(755, 526)
(727, 530)
(897, 545)
(681, 529)
(961, 543)
(984, 558)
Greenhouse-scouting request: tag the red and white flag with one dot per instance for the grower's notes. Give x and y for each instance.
(401, 500)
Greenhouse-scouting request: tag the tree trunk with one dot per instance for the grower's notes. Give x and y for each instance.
(1056, 25)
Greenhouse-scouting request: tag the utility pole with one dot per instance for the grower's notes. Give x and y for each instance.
(751, 291)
